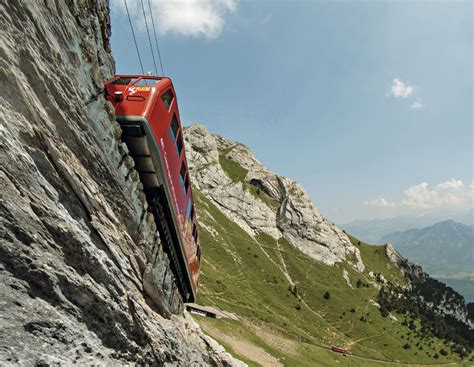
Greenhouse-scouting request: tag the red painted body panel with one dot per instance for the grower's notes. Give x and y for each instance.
(143, 97)
(340, 350)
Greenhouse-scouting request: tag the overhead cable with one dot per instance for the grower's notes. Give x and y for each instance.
(149, 38)
(156, 39)
(134, 38)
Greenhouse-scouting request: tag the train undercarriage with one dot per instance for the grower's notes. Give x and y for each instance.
(143, 148)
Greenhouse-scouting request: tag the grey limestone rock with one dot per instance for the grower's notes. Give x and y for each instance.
(84, 278)
(287, 211)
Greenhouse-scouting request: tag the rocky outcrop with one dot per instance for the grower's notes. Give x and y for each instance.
(393, 255)
(429, 292)
(84, 277)
(261, 201)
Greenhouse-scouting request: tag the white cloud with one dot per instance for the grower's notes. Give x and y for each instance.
(400, 89)
(417, 105)
(379, 203)
(451, 194)
(189, 18)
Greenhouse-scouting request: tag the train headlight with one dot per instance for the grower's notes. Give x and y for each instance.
(118, 96)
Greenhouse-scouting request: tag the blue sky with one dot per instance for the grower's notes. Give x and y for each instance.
(367, 104)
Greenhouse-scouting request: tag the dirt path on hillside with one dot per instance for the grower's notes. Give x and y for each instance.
(284, 345)
(244, 348)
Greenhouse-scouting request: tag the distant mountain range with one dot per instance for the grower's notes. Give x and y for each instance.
(442, 248)
(445, 250)
(372, 231)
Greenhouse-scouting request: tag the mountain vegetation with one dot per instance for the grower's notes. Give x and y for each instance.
(289, 307)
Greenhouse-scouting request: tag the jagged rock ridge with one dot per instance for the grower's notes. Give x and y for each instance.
(436, 296)
(84, 277)
(263, 202)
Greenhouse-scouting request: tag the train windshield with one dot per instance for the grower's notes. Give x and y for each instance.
(149, 82)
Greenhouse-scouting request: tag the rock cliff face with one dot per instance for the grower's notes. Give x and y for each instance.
(83, 275)
(262, 202)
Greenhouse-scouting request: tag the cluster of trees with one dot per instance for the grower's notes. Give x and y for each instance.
(361, 284)
(436, 292)
(413, 303)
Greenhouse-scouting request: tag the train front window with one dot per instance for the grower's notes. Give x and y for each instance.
(122, 81)
(143, 82)
(146, 82)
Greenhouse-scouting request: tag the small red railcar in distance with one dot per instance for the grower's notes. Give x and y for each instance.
(147, 111)
(343, 351)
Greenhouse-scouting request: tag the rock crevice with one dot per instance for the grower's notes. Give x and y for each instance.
(84, 277)
(263, 202)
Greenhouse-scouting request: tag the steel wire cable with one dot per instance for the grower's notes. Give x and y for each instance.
(156, 39)
(149, 38)
(134, 38)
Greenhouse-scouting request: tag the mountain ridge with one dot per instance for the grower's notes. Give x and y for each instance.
(448, 244)
(445, 250)
(254, 268)
(230, 175)
(372, 230)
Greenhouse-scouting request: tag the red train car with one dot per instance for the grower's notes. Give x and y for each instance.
(343, 351)
(147, 110)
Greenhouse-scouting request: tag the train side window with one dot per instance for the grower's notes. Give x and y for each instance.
(186, 184)
(167, 98)
(174, 127)
(188, 209)
(194, 232)
(179, 144)
(198, 254)
(192, 214)
(182, 175)
(184, 179)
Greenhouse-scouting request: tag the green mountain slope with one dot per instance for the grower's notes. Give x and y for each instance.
(289, 308)
(277, 292)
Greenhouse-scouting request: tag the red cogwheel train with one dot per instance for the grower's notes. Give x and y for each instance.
(147, 111)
